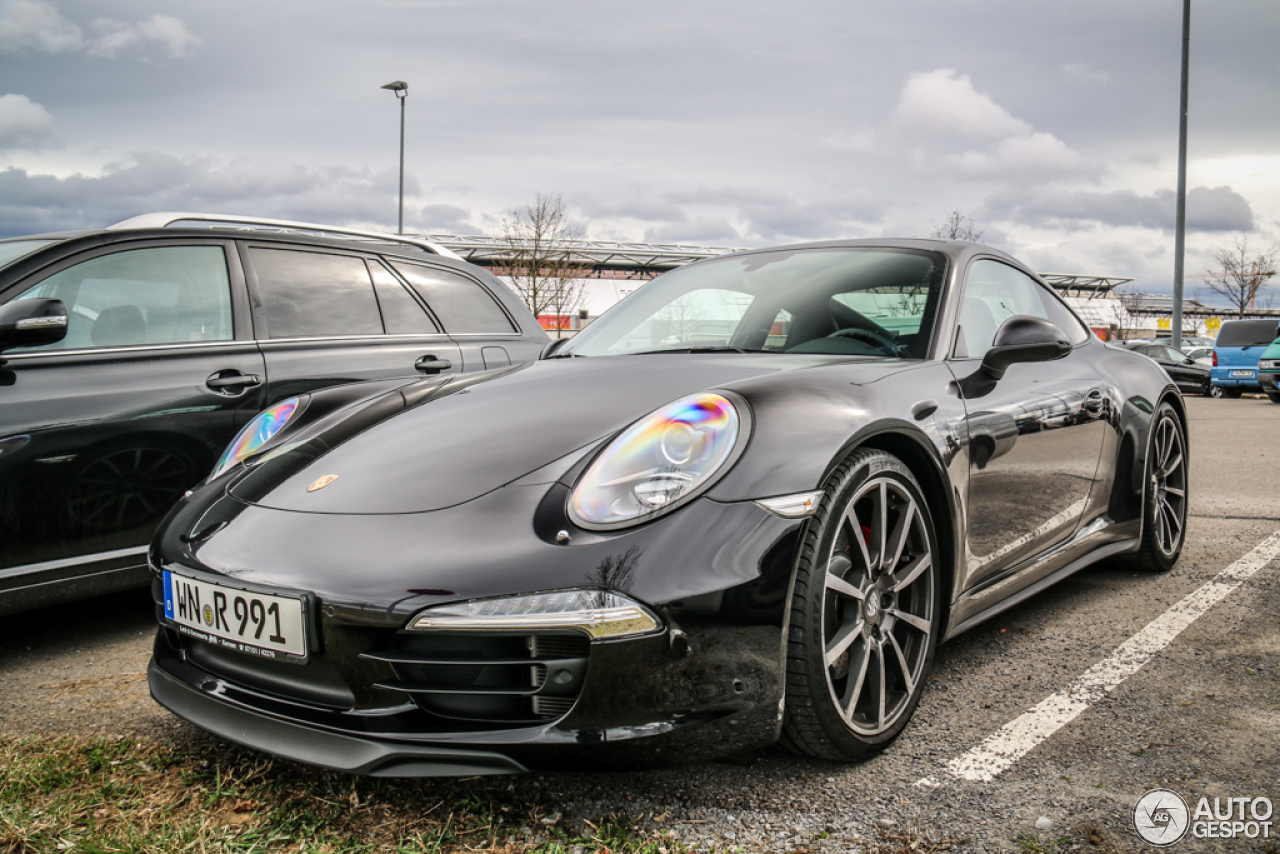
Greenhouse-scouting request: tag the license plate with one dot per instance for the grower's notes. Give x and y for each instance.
(1242, 373)
(256, 623)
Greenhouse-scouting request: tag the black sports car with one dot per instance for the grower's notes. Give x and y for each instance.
(745, 505)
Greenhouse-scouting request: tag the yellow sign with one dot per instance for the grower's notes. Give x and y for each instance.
(1162, 323)
(1213, 323)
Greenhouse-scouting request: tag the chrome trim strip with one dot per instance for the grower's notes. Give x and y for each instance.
(141, 348)
(138, 551)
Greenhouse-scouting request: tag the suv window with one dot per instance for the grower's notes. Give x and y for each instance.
(995, 292)
(161, 295)
(313, 294)
(401, 313)
(1246, 333)
(462, 305)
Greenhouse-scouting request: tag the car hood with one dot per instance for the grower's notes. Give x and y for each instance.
(491, 431)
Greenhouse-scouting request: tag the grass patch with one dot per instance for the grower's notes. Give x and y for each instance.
(108, 796)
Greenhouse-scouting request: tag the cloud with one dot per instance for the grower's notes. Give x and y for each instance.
(115, 37)
(950, 127)
(1081, 71)
(945, 104)
(38, 25)
(23, 123)
(1210, 209)
(337, 195)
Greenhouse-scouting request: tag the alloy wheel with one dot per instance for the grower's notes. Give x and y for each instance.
(878, 607)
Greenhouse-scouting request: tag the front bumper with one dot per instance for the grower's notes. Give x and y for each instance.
(1269, 381)
(334, 750)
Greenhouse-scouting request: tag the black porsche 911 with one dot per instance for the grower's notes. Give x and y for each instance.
(743, 506)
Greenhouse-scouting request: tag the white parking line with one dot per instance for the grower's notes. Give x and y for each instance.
(1013, 741)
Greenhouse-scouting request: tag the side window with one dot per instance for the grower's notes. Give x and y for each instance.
(995, 292)
(462, 305)
(161, 295)
(311, 294)
(401, 314)
(1173, 355)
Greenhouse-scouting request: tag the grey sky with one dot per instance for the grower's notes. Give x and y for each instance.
(737, 123)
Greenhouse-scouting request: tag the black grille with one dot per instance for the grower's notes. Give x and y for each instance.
(511, 679)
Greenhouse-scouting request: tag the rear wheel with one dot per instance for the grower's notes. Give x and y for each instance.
(1164, 517)
(865, 612)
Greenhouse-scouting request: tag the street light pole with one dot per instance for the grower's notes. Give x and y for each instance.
(1180, 221)
(401, 90)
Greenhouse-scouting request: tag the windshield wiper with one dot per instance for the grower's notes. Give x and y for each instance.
(706, 349)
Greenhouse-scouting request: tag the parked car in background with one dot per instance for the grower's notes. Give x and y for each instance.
(1269, 371)
(133, 354)
(772, 482)
(1200, 355)
(1182, 369)
(1236, 352)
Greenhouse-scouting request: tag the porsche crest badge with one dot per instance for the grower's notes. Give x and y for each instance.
(321, 483)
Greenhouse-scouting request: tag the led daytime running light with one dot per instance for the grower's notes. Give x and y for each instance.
(600, 614)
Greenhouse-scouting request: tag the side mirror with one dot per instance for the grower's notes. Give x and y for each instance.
(31, 323)
(1023, 338)
(551, 349)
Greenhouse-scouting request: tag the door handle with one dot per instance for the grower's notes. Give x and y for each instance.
(232, 381)
(431, 365)
(1094, 402)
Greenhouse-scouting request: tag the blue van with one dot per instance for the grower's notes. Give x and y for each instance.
(1235, 355)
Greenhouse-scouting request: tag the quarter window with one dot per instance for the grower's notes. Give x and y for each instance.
(462, 305)
(161, 295)
(401, 313)
(313, 294)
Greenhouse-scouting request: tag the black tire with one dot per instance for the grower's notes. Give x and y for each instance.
(1216, 391)
(1273, 396)
(1231, 393)
(866, 609)
(1164, 494)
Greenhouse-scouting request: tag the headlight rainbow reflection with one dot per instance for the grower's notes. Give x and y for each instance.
(659, 462)
(264, 426)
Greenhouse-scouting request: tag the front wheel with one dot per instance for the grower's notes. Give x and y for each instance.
(865, 612)
(1216, 391)
(1273, 396)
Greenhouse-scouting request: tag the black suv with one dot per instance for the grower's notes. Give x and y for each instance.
(132, 355)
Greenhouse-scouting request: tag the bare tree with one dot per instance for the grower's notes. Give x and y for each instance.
(1124, 317)
(957, 226)
(541, 264)
(1242, 274)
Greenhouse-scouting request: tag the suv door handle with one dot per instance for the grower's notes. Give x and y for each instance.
(431, 365)
(232, 381)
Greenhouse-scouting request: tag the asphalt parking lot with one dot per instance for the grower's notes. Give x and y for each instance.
(1034, 731)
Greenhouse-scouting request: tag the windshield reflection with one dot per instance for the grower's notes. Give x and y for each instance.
(849, 302)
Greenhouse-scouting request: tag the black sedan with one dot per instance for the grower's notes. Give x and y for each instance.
(745, 505)
(1189, 375)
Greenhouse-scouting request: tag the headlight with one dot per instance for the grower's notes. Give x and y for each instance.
(662, 461)
(599, 613)
(264, 426)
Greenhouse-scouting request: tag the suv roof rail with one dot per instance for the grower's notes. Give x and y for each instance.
(167, 219)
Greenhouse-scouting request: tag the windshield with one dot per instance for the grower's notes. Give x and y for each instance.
(12, 250)
(851, 302)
